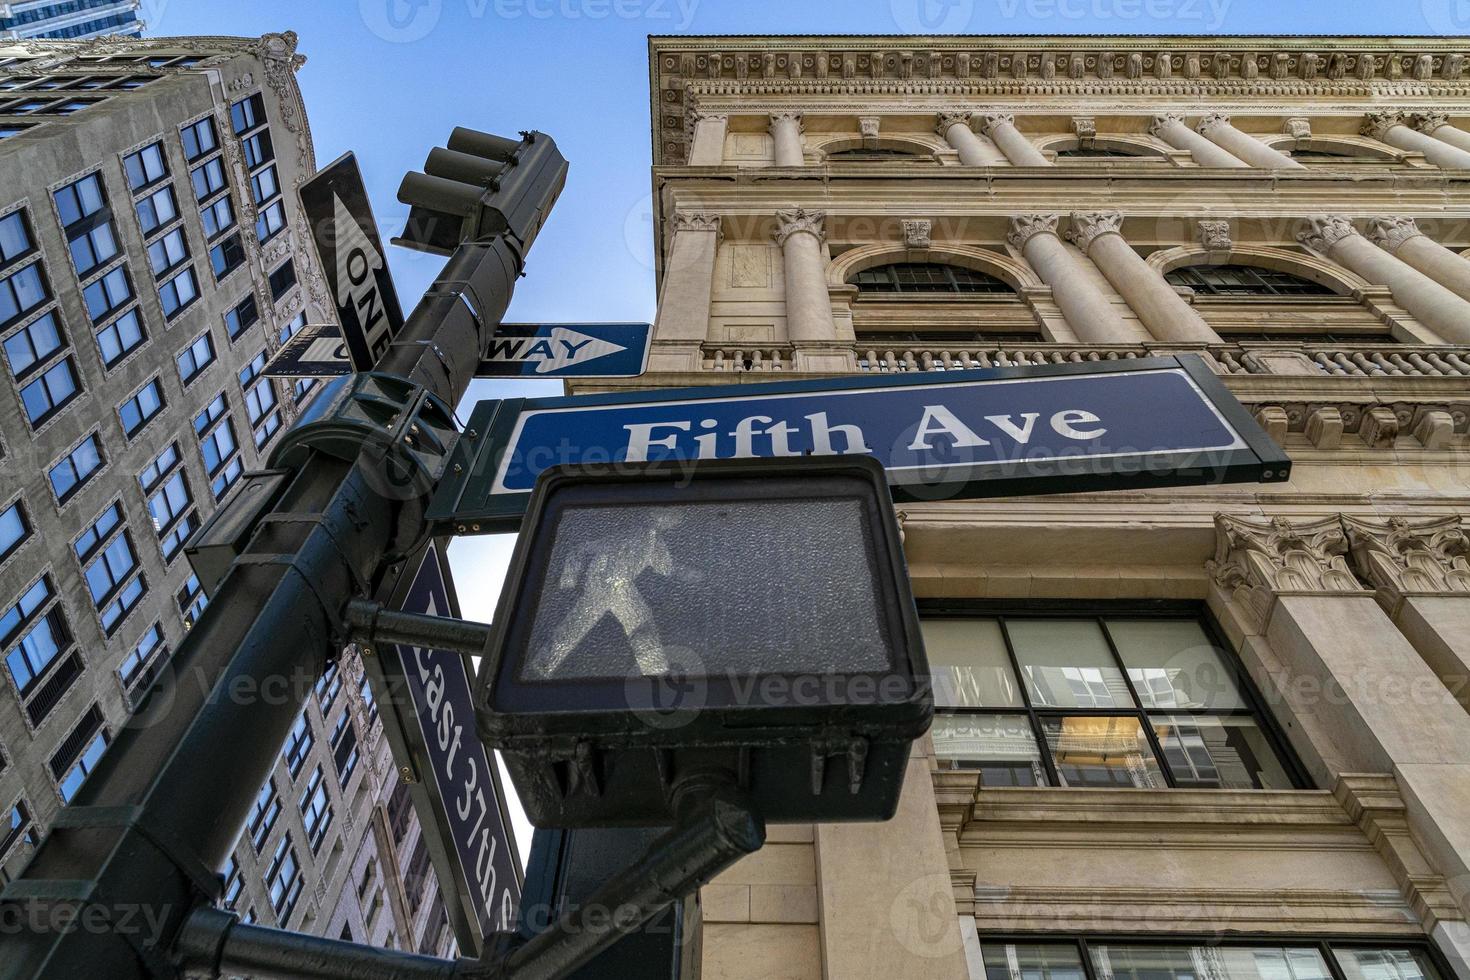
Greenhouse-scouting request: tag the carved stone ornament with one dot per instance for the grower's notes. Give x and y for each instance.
(1212, 122)
(994, 120)
(1377, 124)
(1215, 236)
(1322, 231)
(1088, 225)
(868, 126)
(1298, 128)
(1086, 129)
(790, 222)
(1391, 233)
(1027, 226)
(1256, 560)
(1162, 123)
(1401, 558)
(781, 117)
(916, 232)
(948, 120)
(695, 221)
(1428, 122)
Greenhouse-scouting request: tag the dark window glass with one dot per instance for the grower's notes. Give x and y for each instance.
(139, 409)
(917, 277)
(247, 114)
(21, 292)
(51, 392)
(15, 237)
(242, 317)
(283, 279)
(74, 469)
(120, 337)
(199, 139)
(147, 166)
(30, 346)
(14, 529)
(226, 257)
(157, 210)
(1243, 280)
(108, 293)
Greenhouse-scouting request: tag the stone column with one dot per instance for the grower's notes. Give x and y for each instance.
(955, 128)
(1437, 125)
(1401, 238)
(803, 242)
(1217, 129)
(1170, 128)
(1359, 692)
(1001, 128)
(1426, 300)
(786, 131)
(707, 148)
(1088, 312)
(1166, 315)
(1422, 573)
(689, 276)
(1393, 128)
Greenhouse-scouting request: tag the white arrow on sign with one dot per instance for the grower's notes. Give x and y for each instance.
(564, 348)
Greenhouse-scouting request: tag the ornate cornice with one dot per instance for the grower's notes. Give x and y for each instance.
(1391, 233)
(795, 220)
(1025, 227)
(1403, 558)
(1088, 225)
(1322, 231)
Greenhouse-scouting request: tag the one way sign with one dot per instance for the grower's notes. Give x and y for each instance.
(536, 350)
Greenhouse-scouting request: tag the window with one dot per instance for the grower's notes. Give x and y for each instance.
(298, 744)
(260, 400)
(271, 220)
(108, 293)
(283, 279)
(15, 238)
(171, 507)
(91, 247)
(78, 754)
(217, 216)
(141, 664)
(217, 444)
(168, 252)
(74, 469)
(264, 186)
(227, 477)
(176, 294)
(226, 257)
(110, 567)
(195, 358)
(15, 829)
(242, 317)
(120, 337)
(23, 291)
(1218, 958)
(283, 880)
(263, 814)
(258, 149)
(51, 392)
(234, 884)
(344, 748)
(914, 277)
(80, 199)
(247, 114)
(1243, 280)
(145, 167)
(208, 178)
(199, 139)
(369, 705)
(862, 154)
(157, 210)
(140, 409)
(327, 687)
(33, 343)
(293, 328)
(316, 809)
(1112, 700)
(14, 529)
(41, 637)
(191, 600)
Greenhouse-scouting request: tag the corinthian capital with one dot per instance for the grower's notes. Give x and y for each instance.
(1163, 121)
(1322, 231)
(696, 221)
(781, 117)
(1428, 122)
(1212, 122)
(795, 220)
(1027, 226)
(1255, 560)
(994, 120)
(1088, 225)
(948, 120)
(1391, 233)
(1401, 558)
(1377, 124)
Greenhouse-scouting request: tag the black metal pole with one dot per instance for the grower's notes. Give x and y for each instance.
(110, 887)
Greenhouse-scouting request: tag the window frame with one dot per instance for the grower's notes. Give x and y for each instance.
(94, 436)
(895, 288)
(1255, 707)
(1189, 276)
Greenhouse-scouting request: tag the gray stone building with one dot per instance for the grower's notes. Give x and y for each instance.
(152, 257)
(74, 19)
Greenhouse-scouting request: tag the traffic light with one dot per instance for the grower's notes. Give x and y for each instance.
(480, 186)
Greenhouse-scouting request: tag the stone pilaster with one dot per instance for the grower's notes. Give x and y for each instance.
(809, 323)
(786, 130)
(707, 139)
(1087, 311)
(688, 283)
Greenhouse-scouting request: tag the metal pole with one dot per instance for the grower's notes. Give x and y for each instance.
(142, 841)
(371, 622)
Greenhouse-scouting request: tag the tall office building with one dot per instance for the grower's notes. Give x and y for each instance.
(74, 19)
(152, 256)
(1216, 733)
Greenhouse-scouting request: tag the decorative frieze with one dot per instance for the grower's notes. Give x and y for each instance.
(1401, 557)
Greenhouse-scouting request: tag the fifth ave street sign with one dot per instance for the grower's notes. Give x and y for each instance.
(1110, 425)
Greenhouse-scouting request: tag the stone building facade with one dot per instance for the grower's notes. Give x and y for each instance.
(1214, 732)
(152, 257)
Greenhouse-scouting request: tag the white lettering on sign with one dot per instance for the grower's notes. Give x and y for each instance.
(562, 349)
(356, 285)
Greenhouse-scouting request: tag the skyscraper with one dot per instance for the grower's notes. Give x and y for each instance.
(152, 257)
(74, 19)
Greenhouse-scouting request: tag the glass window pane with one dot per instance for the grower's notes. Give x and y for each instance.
(1067, 664)
(1207, 963)
(1173, 664)
(1384, 964)
(1209, 752)
(968, 660)
(1002, 747)
(1031, 961)
(1093, 751)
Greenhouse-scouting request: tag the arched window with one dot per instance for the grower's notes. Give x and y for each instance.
(927, 277)
(1244, 280)
(868, 155)
(1094, 153)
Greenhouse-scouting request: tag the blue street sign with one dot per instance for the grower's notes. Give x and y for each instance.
(429, 716)
(1052, 429)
